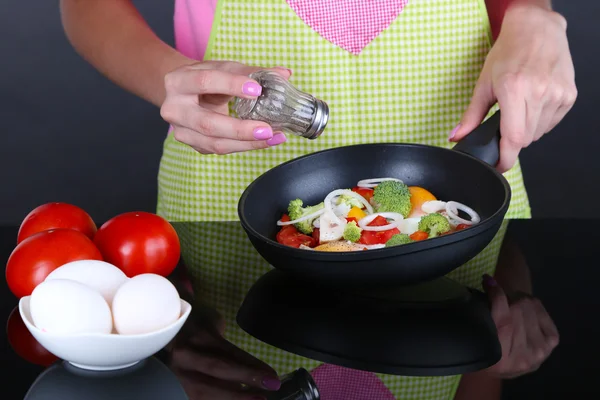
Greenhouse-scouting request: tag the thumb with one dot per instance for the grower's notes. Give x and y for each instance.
(481, 102)
(500, 310)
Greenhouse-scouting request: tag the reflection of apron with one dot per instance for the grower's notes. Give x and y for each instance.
(410, 84)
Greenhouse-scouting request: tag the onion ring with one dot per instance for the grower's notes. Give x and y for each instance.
(372, 182)
(433, 206)
(309, 216)
(452, 208)
(339, 192)
(364, 222)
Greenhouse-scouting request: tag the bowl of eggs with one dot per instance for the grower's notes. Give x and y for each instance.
(92, 315)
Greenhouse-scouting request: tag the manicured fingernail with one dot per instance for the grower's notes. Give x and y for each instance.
(252, 89)
(271, 383)
(488, 280)
(263, 133)
(287, 69)
(453, 132)
(277, 139)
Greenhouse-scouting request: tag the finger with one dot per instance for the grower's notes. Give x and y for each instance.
(500, 312)
(195, 81)
(546, 120)
(218, 364)
(213, 124)
(536, 341)
(207, 145)
(547, 325)
(519, 336)
(481, 102)
(243, 69)
(513, 122)
(200, 387)
(567, 103)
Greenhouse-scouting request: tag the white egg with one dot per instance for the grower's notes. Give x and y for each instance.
(145, 303)
(409, 225)
(68, 307)
(98, 275)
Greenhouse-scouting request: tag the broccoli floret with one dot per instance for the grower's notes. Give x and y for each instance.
(392, 196)
(296, 211)
(434, 224)
(398, 239)
(352, 232)
(350, 201)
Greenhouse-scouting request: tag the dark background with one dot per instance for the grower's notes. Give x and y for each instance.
(71, 135)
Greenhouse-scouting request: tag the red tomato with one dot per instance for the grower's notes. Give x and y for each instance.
(350, 219)
(290, 236)
(24, 344)
(285, 218)
(38, 255)
(139, 243)
(377, 237)
(379, 221)
(364, 192)
(419, 235)
(55, 216)
(373, 237)
(461, 227)
(316, 234)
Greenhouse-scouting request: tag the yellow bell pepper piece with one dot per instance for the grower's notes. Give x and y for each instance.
(357, 213)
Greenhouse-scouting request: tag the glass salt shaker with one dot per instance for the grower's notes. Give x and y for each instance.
(284, 107)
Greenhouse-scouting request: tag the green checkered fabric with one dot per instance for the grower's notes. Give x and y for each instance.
(411, 84)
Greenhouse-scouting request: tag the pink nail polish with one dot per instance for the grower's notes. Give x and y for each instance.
(277, 139)
(453, 133)
(263, 133)
(271, 383)
(252, 89)
(287, 69)
(488, 280)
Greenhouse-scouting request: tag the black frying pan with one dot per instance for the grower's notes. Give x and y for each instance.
(465, 174)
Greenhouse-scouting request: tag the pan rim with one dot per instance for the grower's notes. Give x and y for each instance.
(387, 251)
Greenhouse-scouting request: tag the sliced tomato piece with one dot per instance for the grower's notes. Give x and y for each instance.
(461, 227)
(316, 234)
(419, 235)
(285, 218)
(350, 219)
(290, 236)
(364, 192)
(379, 221)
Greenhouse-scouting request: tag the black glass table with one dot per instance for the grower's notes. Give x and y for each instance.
(561, 255)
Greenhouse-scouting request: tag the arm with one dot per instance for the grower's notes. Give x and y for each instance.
(497, 8)
(511, 273)
(113, 37)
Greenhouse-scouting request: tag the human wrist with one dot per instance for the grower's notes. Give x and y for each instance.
(530, 11)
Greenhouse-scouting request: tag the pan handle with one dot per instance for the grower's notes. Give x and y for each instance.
(484, 141)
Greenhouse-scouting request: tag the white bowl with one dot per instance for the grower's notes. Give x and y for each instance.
(102, 352)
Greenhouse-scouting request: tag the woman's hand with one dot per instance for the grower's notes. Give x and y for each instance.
(530, 73)
(196, 105)
(210, 367)
(525, 331)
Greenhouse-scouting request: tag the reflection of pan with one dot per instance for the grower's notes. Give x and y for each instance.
(464, 174)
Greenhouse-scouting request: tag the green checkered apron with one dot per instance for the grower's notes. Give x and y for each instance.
(411, 84)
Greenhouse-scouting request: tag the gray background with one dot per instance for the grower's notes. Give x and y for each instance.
(71, 135)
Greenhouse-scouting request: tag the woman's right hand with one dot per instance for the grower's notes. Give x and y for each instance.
(196, 106)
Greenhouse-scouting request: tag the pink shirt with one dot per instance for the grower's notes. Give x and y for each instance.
(193, 22)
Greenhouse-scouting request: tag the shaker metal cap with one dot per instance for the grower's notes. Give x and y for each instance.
(320, 120)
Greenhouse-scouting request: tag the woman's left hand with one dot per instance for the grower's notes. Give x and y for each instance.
(530, 73)
(526, 332)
